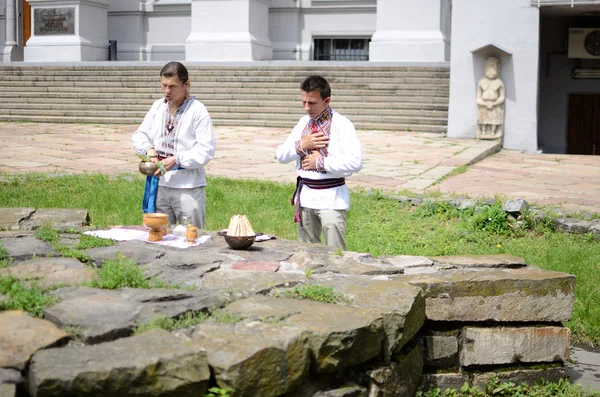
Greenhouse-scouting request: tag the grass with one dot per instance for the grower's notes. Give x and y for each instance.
(217, 316)
(32, 299)
(376, 225)
(315, 293)
(494, 388)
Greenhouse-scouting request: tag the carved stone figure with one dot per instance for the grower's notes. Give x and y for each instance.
(490, 102)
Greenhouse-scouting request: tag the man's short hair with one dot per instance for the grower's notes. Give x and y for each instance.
(316, 83)
(175, 69)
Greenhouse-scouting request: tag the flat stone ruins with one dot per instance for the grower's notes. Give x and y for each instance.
(403, 323)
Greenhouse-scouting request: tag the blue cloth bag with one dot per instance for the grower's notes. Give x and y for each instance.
(150, 193)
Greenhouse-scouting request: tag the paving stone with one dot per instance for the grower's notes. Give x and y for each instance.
(60, 218)
(24, 247)
(51, 271)
(483, 261)
(11, 218)
(256, 266)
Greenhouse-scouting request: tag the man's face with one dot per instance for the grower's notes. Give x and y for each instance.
(173, 89)
(314, 105)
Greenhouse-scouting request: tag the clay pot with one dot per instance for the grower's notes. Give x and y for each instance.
(156, 221)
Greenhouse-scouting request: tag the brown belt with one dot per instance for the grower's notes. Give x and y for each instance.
(318, 184)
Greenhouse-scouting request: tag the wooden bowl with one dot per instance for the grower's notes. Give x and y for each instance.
(239, 242)
(147, 168)
(156, 221)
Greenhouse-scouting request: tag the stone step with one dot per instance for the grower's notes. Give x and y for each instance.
(342, 89)
(294, 81)
(145, 97)
(290, 118)
(229, 122)
(393, 98)
(295, 109)
(217, 102)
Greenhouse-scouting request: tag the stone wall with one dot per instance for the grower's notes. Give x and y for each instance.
(400, 323)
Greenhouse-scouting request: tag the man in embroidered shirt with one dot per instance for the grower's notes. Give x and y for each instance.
(178, 131)
(326, 150)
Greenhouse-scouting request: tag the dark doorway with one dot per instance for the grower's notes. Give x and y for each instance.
(583, 132)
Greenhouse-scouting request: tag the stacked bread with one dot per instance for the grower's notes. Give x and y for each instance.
(240, 226)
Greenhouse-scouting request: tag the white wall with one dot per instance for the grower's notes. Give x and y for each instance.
(555, 80)
(514, 26)
(167, 28)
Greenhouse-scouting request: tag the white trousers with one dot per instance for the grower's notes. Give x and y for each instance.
(178, 203)
(331, 222)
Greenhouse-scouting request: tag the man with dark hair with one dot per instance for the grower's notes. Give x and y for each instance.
(326, 150)
(177, 131)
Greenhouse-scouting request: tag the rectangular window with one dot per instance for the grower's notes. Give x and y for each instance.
(342, 49)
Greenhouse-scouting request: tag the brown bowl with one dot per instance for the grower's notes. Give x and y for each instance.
(240, 242)
(156, 220)
(147, 168)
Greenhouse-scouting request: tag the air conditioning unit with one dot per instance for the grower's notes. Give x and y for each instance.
(584, 43)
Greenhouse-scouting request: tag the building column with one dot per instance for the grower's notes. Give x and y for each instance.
(409, 30)
(11, 51)
(229, 30)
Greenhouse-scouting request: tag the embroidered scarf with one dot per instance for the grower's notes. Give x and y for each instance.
(321, 123)
(167, 146)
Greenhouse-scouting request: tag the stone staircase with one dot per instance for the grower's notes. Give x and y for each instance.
(373, 97)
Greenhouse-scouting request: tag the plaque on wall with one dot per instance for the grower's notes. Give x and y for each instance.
(51, 21)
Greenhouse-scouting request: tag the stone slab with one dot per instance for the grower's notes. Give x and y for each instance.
(441, 351)
(11, 218)
(51, 271)
(243, 284)
(401, 378)
(443, 381)
(483, 261)
(23, 335)
(59, 218)
(153, 363)
(339, 336)
(8, 390)
(401, 305)
(505, 295)
(518, 376)
(514, 345)
(23, 247)
(103, 315)
(255, 266)
(255, 359)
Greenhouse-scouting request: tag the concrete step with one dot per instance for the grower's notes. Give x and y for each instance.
(229, 122)
(381, 110)
(35, 100)
(392, 98)
(208, 80)
(133, 97)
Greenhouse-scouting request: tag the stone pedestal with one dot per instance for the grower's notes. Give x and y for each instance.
(409, 30)
(68, 31)
(229, 30)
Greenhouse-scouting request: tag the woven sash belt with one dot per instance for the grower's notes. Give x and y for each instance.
(318, 184)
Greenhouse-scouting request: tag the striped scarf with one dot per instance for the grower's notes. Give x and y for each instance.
(321, 123)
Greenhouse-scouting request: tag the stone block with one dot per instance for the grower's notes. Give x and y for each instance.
(11, 218)
(504, 295)
(255, 359)
(441, 351)
(23, 335)
(518, 376)
(153, 363)
(443, 381)
(514, 345)
(401, 378)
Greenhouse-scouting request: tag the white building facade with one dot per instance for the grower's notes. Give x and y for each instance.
(550, 55)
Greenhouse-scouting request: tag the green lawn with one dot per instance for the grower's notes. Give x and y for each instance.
(376, 225)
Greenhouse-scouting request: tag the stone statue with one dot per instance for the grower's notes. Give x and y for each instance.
(490, 102)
